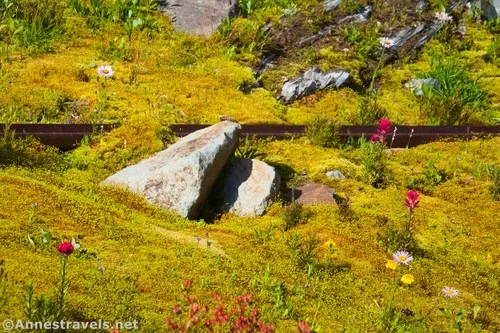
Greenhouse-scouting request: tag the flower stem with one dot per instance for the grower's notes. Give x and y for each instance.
(63, 287)
(370, 88)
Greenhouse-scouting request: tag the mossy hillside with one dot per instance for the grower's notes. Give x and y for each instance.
(147, 252)
(192, 80)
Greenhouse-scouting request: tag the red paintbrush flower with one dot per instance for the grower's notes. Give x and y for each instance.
(384, 127)
(411, 200)
(303, 327)
(65, 248)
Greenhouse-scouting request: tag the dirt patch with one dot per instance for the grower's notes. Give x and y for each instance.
(199, 242)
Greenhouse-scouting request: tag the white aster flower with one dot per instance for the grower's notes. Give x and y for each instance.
(386, 42)
(105, 71)
(450, 292)
(443, 17)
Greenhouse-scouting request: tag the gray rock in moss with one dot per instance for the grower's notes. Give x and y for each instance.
(198, 17)
(311, 81)
(330, 5)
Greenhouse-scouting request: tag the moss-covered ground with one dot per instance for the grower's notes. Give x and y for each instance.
(146, 253)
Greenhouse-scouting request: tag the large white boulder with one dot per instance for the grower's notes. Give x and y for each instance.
(181, 177)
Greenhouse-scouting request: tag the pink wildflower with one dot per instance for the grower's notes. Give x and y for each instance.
(303, 327)
(411, 200)
(65, 248)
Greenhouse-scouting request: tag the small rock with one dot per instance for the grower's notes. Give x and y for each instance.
(489, 8)
(199, 17)
(415, 85)
(391, 151)
(404, 35)
(335, 174)
(330, 5)
(422, 5)
(358, 18)
(248, 187)
(314, 193)
(227, 118)
(311, 81)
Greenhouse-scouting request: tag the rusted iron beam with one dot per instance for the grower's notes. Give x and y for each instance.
(66, 137)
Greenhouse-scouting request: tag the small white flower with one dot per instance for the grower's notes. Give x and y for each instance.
(450, 292)
(443, 17)
(105, 71)
(386, 42)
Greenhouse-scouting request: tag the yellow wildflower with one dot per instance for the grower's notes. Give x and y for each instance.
(329, 244)
(391, 264)
(407, 279)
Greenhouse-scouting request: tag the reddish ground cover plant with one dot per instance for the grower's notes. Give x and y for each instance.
(237, 317)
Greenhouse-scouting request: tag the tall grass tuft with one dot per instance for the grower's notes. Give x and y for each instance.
(323, 132)
(456, 99)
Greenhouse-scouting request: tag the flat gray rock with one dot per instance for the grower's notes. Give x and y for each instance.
(248, 187)
(311, 81)
(489, 8)
(404, 35)
(330, 5)
(415, 85)
(181, 177)
(422, 5)
(335, 174)
(314, 193)
(358, 18)
(198, 17)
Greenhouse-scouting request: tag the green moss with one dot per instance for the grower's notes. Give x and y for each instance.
(145, 266)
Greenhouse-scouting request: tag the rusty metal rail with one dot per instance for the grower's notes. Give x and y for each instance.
(67, 137)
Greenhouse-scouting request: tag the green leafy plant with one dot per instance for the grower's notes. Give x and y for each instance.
(225, 27)
(94, 14)
(44, 242)
(494, 174)
(352, 35)
(323, 132)
(455, 99)
(250, 147)
(369, 111)
(36, 37)
(493, 52)
(430, 178)
(264, 235)
(457, 319)
(364, 39)
(130, 26)
(41, 308)
(302, 250)
(30, 26)
(493, 25)
(26, 152)
(293, 215)
(248, 7)
(114, 49)
(10, 29)
(374, 163)
(345, 211)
